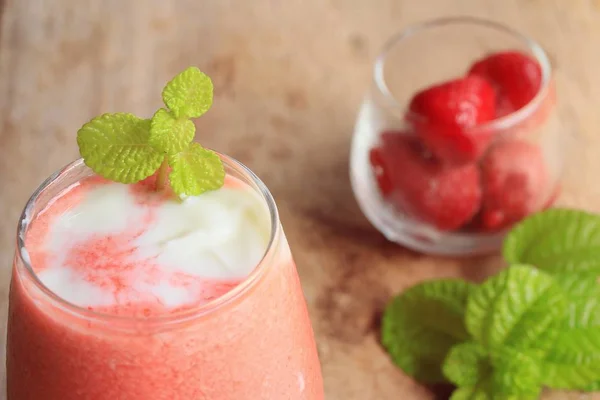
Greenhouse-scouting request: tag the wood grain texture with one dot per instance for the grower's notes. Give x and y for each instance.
(289, 78)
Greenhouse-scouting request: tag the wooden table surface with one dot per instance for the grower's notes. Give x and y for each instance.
(289, 78)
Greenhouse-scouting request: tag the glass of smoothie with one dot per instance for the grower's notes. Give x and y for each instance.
(123, 292)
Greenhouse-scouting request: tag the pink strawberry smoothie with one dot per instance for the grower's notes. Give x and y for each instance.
(123, 293)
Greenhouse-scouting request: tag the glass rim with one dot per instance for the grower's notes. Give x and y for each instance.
(503, 122)
(188, 315)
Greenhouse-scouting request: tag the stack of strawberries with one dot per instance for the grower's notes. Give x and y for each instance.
(448, 168)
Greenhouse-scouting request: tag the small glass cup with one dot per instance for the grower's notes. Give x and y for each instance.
(254, 342)
(426, 55)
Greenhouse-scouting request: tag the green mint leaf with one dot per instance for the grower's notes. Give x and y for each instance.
(169, 134)
(578, 337)
(573, 361)
(472, 393)
(557, 240)
(484, 393)
(518, 308)
(189, 94)
(505, 373)
(116, 147)
(594, 387)
(516, 373)
(467, 364)
(570, 376)
(195, 171)
(578, 286)
(420, 326)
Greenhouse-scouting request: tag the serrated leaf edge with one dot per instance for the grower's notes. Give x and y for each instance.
(514, 239)
(504, 275)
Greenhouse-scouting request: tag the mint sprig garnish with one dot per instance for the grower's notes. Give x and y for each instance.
(535, 324)
(116, 146)
(127, 149)
(189, 94)
(170, 134)
(196, 170)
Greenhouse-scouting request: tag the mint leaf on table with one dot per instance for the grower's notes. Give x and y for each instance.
(570, 376)
(467, 364)
(481, 392)
(421, 325)
(484, 390)
(573, 361)
(503, 373)
(594, 387)
(557, 241)
(516, 373)
(577, 286)
(535, 324)
(517, 308)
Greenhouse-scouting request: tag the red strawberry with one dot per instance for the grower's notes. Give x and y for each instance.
(516, 76)
(427, 189)
(381, 176)
(514, 180)
(444, 115)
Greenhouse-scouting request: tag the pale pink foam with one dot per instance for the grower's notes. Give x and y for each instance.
(110, 264)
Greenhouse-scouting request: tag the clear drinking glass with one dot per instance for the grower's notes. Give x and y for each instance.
(254, 342)
(425, 55)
